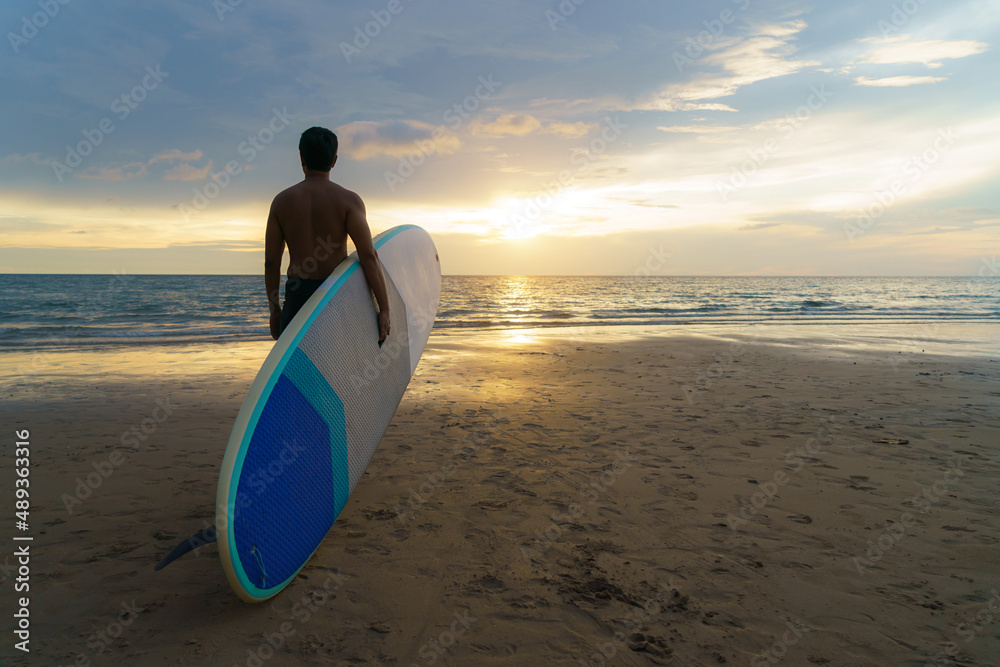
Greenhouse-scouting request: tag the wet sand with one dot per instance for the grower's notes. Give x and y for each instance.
(690, 496)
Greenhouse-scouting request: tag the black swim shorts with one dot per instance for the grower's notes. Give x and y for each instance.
(297, 292)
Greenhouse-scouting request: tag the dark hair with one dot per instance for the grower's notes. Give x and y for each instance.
(318, 147)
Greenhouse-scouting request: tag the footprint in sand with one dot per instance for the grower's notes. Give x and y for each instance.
(655, 646)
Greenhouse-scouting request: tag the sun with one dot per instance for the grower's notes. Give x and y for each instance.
(519, 218)
(521, 231)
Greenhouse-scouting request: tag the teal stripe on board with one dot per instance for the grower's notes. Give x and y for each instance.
(307, 379)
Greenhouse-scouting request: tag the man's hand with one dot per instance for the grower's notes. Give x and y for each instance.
(383, 326)
(361, 234)
(275, 323)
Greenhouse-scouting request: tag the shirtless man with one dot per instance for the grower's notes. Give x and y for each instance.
(314, 218)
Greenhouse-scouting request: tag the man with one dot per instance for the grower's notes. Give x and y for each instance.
(314, 218)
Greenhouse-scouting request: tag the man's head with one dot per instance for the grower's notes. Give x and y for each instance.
(318, 148)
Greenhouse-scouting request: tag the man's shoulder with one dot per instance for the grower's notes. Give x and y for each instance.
(286, 194)
(347, 198)
(304, 189)
(347, 194)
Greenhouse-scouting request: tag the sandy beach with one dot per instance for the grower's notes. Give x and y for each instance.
(689, 496)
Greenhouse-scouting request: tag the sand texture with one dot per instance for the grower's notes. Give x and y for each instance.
(538, 500)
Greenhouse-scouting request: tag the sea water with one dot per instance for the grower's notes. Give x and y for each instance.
(73, 310)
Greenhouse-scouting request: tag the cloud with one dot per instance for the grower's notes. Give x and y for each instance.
(903, 49)
(124, 172)
(569, 129)
(788, 29)
(898, 81)
(175, 154)
(187, 172)
(363, 140)
(514, 124)
(697, 129)
(130, 170)
(648, 203)
(759, 225)
(767, 53)
(766, 56)
(17, 159)
(520, 125)
(667, 101)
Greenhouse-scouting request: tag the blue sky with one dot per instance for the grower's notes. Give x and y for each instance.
(721, 137)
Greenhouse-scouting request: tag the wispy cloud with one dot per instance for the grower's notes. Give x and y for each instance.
(123, 172)
(130, 170)
(18, 159)
(569, 129)
(759, 225)
(515, 124)
(176, 154)
(903, 49)
(696, 129)
(363, 140)
(520, 125)
(187, 172)
(768, 52)
(897, 81)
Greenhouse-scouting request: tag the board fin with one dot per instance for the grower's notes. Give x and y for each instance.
(199, 539)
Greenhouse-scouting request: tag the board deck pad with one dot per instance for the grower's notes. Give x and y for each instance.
(317, 411)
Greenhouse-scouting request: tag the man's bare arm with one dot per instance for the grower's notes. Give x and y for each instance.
(360, 233)
(274, 248)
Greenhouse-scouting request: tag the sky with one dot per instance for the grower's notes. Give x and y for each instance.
(719, 137)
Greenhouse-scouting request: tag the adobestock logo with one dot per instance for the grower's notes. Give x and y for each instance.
(250, 148)
(363, 37)
(30, 25)
(122, 106)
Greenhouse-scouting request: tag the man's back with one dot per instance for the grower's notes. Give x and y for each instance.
(313, 216)
(314, 219)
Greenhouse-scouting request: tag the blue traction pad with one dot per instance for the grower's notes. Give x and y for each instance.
(294, 480)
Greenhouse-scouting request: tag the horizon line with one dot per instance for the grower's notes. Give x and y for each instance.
(553, 275)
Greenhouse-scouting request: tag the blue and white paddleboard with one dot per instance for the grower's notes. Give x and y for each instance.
(316, 412)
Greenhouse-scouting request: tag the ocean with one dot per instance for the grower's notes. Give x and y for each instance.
(78, 310)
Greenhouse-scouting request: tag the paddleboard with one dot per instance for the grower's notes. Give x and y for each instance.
(315, 414)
